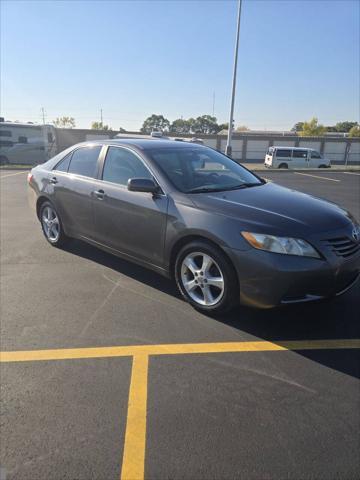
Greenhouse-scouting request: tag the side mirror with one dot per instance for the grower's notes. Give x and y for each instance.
(142, 185)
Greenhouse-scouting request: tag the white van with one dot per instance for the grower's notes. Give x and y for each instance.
(295, 157)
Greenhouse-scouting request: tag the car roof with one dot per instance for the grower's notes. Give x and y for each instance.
(147, 144)
(292, 148)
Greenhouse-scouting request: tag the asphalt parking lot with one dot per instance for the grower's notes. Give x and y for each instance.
(107, 373)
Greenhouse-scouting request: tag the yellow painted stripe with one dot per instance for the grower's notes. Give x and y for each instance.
(175, 349)
(317, 176)
(12, 174)
(135, 435)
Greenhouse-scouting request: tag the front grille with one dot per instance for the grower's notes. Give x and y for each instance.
(343, 246)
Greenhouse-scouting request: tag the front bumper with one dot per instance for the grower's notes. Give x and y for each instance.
(268, 279)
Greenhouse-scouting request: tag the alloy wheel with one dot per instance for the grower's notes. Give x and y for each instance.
(51, 225)
(202, 278)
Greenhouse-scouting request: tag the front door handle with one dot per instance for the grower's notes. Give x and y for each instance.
(99, 194)
(53, 180)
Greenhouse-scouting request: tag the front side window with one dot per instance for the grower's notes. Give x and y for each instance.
(121, 165)
(300, 154)
(201, 170)
(315, 154)
(84, 161)
(283, 153)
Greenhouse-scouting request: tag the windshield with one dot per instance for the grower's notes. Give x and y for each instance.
(202, 170)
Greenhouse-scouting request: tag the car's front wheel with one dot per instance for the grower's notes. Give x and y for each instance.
(51, 225)
(206, 278)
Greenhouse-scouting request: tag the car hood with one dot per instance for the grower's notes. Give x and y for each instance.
(276, 209)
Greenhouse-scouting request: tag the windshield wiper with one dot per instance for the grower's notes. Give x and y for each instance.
(204, 190)
(223, 189)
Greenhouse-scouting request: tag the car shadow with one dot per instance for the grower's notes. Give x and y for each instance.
(334, 319)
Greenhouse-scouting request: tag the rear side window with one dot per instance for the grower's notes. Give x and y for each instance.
(121, 164)
(300, 154)
(283, 153)
(63, 165)
(84, 161)
(315, 154)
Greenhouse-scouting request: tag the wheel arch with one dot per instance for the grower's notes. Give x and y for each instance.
(39, 202)
(181, 242)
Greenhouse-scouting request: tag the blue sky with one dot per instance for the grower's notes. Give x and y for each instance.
(297, 59)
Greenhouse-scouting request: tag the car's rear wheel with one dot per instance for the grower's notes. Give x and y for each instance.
(322, 166)
(51, 225)
(283, 165)
(206, 278)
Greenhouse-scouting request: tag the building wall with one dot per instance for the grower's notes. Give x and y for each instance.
(246, 147)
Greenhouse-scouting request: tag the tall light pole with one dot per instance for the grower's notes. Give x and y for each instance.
(228, 150)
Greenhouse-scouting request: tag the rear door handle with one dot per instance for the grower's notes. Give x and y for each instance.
(53, 180)
(99, 194)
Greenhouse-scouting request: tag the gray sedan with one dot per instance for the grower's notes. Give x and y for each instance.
(191, 213)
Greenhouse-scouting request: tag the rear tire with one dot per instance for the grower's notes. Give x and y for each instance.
(322, 166)
(51, 225)
(206, 278)
(283, 165)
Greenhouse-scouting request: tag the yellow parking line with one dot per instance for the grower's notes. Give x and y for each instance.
(133, 463)
(12, 174)
(317, 176)
(174, 349)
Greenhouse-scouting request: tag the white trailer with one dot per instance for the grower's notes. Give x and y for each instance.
(26, 143)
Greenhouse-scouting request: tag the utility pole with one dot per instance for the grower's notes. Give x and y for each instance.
(228, 150)
(213, 104)
(101, 117)
(43, 115)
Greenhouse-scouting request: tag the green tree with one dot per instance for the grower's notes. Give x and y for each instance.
(355, 131)
(312, 128)
(331, 128)
(205, 124)
(155, 123)
(122, 130)
(100, 126)
(223, 126)
(180, 126)
(297, 127)
(345, 126)
(64, 122)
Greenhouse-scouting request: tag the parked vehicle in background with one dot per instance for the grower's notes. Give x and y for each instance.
(295, 157)
(26, 143)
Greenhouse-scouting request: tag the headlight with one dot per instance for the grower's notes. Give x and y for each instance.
(286, 245)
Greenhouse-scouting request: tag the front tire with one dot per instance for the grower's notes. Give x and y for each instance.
(51, 225)
(283, 165)
(206, 278)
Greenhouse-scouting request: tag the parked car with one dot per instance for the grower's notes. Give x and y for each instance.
(295, 157)
(191, 213)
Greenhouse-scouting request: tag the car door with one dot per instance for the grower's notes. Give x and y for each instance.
(132, 223)
(314, 159)
(73, 184)
(299, 158)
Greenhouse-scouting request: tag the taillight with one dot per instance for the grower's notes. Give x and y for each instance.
(29, 177)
